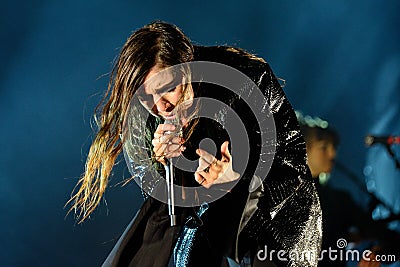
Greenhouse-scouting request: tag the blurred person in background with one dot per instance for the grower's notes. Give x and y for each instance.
(342, 218)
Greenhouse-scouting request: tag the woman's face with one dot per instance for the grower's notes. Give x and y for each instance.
(161, 92)
(321, 156)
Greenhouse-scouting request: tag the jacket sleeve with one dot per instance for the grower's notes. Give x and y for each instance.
(287, 216)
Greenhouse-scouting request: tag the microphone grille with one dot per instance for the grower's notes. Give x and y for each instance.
(369, 140)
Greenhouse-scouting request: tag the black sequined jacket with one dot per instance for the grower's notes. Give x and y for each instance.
(278, 219)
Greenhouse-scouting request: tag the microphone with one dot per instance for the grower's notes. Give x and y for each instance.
(384, 140)
(169, 171)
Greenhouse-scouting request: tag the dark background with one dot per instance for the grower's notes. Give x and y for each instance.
(340, 60)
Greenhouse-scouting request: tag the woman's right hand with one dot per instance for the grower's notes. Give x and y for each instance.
(166, 143)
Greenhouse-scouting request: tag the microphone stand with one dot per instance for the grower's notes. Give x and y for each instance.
(375, 201)
(393, 156)
(169, 177)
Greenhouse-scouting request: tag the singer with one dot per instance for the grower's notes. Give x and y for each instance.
(151, 113)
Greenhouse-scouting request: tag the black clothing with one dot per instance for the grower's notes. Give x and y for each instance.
(282, 213)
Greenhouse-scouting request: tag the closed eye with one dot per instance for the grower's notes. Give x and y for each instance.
(171, 90)
(168, 88)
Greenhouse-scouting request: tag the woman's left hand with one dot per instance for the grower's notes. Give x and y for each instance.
(212, 171)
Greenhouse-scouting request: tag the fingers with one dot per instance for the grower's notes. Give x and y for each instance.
(203, 179)
(207, 162)
(208, 170)
(166, 139)
(212, 171)
(205, 156)
(225, 154)
(210, 159)
(166, 145)
(161, 128)
(200, 179)
(168, 150)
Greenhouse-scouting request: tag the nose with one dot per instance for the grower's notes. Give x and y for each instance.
(332, 152)
(161, 103)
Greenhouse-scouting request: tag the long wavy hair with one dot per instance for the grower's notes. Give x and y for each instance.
(158, 43)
